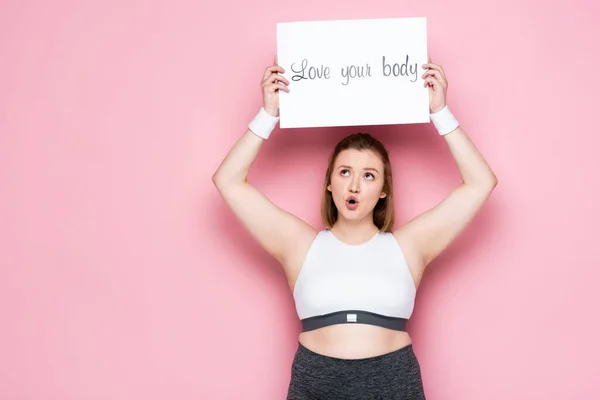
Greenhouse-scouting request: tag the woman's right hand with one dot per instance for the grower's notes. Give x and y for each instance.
(271, 84)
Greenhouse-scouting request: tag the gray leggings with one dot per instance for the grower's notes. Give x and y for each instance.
(391, 376)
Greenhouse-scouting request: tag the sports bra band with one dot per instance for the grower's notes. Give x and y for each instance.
(354, 316)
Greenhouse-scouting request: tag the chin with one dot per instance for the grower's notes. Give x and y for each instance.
(351, 215)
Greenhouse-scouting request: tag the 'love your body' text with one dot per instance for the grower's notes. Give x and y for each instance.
(350, 72)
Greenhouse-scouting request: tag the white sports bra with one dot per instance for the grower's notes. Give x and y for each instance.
(369, 283)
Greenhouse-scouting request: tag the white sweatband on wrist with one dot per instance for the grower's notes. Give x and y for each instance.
(263, 124)
(444, 121)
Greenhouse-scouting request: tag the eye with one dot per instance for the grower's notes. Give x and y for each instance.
(369, 175)
(344, 172)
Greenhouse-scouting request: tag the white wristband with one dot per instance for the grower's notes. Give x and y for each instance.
(263, 124)
(444, 121)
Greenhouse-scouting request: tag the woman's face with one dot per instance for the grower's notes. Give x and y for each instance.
(357, 181)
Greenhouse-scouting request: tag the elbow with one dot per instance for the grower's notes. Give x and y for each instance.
(493, 180)
(484, 184)
(489, 184)
(218, 181)
(215, 180)
(222, 182)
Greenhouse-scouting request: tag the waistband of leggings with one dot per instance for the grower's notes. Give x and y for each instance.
(401, 352)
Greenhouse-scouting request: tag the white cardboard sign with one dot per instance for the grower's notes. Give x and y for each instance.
(353, 72)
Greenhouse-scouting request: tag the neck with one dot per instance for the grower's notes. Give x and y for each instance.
(355, 230)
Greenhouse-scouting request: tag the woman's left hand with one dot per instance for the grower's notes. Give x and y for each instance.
(438, 85)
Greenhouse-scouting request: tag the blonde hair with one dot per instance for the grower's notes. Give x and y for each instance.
(383, 213)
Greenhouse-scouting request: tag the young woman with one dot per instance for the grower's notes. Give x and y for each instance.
(354, 282)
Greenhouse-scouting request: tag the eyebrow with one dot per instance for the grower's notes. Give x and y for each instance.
(366, 169)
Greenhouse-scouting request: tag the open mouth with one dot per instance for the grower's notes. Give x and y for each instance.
(351, 203)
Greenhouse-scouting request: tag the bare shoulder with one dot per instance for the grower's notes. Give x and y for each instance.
(296, 253)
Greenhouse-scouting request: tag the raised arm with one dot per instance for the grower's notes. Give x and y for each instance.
(276, 230)
(432, 231)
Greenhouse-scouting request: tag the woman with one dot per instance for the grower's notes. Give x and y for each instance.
(354, 282)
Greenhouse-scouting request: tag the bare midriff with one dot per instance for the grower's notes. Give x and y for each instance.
(354, 341)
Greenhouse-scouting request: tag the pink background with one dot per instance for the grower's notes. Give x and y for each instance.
(124, 276)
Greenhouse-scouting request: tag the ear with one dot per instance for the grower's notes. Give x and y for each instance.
(329, 187)
(382, 195)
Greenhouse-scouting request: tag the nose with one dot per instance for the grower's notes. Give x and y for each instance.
(354, 185)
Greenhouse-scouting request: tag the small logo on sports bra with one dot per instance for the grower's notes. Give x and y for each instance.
(351, 317)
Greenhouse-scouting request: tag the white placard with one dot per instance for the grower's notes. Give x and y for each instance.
(353, 72)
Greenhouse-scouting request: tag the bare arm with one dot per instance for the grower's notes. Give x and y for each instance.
(432, 231)
(276, 230)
